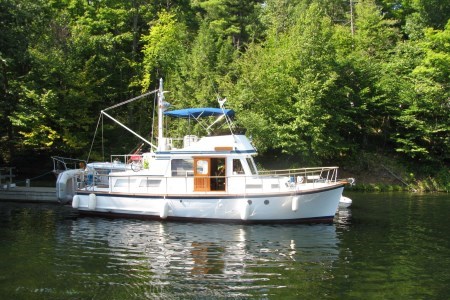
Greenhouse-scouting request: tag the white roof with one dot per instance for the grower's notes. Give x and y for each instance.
(233, 143)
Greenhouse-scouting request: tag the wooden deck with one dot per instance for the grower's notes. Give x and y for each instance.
(29, 194)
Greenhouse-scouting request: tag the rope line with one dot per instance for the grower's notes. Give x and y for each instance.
(36, 177)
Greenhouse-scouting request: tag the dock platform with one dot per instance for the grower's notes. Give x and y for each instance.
(29, 194)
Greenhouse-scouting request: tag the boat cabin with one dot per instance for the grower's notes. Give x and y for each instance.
(209, 164)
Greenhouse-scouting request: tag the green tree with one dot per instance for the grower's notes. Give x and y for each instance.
(164, 47)
(416, 15)
(81, 62)
(236, 19)
(225, 27)
(22, 23)
(364, 78)
(433, 13)
(284, 88)
(425, 118)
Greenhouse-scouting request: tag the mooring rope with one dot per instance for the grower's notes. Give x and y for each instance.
(36, 177)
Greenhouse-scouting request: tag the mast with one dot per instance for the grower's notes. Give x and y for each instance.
(160, 115)
(162, 106)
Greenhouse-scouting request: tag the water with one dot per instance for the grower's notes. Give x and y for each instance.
(386, 246)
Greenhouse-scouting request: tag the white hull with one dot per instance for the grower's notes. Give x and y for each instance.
(319, 205)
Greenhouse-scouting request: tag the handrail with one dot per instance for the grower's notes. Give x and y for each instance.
(289, 180)
(9, 174)
(322, 172)
(61, 164)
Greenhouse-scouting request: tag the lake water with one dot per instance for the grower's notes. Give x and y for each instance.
(386, 246)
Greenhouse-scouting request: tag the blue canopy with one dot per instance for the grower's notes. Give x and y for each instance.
(199, 112)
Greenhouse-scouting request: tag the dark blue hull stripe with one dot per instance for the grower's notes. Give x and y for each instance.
(206, 196)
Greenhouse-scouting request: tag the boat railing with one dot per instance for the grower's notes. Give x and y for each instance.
(61, 164)
(265, 182)
(126, 158)
(328, 174)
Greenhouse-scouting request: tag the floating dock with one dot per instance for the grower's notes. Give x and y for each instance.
(29, 194)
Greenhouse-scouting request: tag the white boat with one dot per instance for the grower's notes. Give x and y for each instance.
(210, 178)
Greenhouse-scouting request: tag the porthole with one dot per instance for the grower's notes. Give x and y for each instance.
(249, 202)
(266, 202)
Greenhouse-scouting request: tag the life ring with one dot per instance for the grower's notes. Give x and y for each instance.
(136, 166)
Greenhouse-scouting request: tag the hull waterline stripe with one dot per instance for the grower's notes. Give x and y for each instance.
(208, 197)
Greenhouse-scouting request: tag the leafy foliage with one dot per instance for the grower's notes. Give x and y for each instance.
(425, 117)
(301, 80)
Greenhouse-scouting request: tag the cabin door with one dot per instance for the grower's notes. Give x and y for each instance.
(202, 173)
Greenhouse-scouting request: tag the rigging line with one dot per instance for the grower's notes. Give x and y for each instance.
(227, 119)
(130, 100)
(131, 131)
(229, 124)
(93, 139)
(216, 121)
(103, 141)
(152, 139)
(214, 87)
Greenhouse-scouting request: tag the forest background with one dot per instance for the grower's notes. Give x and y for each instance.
(363, 84)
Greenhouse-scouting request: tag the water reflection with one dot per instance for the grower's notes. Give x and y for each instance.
(343, 217)
(165, 259)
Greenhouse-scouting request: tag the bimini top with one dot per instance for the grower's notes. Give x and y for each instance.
(199, 112)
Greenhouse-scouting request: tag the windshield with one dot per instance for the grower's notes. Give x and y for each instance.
(252, 165)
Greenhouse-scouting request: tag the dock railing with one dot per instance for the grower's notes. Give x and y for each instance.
(7, 174)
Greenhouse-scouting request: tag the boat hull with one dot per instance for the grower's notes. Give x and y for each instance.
(312, 206)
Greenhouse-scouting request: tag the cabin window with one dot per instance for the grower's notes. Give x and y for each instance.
(150, 183)
(237, 167)
(182, 167)
(251, 165)
(124, 182)
(202, 167)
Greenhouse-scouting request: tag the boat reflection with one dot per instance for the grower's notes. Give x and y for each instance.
(168, 255)
(343, 216)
